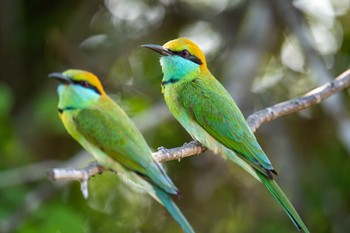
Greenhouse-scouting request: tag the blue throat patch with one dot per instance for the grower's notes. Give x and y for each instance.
(176, 68)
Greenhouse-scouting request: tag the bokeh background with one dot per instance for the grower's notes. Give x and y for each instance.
(263, 51)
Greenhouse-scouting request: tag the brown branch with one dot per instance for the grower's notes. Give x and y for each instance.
(195, 148)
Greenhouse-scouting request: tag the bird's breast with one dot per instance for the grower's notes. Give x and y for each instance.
(173, 100)
(68, 121)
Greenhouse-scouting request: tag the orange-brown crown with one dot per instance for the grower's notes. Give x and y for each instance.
(181, 44)
(81, 75)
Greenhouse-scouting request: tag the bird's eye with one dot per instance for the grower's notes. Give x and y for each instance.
(185, 53)
(84, 83)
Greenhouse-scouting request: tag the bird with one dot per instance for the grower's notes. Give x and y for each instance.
(202, 105)
(104, 130)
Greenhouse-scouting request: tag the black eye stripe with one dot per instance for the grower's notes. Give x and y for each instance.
(195, 59)
(179, 53)
(86, 84)
(189, 57)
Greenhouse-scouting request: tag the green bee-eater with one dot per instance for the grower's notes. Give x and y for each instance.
(93, 119)
(210, 115)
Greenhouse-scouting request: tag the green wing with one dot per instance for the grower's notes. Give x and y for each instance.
(207, 101)
(108, 127)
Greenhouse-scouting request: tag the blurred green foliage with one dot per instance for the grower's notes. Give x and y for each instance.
(252, 47)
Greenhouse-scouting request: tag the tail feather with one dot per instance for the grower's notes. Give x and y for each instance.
(282, 199)
(174, 210)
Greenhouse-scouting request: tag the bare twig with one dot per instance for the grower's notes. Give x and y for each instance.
(82, 175)
(195, 148)
(294, 105)
(188, 149)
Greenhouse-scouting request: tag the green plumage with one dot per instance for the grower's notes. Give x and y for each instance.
(202, 104)
(206, 101)
(107, 127)
(107, 133)
(209, 114)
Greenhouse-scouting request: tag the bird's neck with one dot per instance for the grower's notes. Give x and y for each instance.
(72, 97)
(177, 69)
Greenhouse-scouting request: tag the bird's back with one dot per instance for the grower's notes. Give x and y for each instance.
(203, 103)
(106, 126)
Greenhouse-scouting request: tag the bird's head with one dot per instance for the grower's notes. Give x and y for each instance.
(180, 58)
(77, 89)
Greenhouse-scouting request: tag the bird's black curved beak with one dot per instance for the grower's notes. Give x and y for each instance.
(60, 77)
(158, 49)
